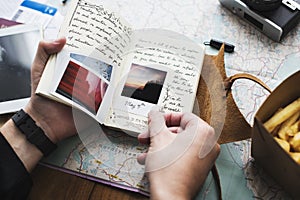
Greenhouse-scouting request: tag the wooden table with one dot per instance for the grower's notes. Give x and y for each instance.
(53, 184)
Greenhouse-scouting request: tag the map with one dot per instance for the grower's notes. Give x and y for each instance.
(111, 158)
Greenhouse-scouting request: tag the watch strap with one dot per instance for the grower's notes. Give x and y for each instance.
(34, 134)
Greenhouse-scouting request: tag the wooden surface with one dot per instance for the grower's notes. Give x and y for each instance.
(56, 185)
(53, 184)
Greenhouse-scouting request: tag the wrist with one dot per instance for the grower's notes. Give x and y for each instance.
(161, 195)
(159, 189)
(34, 134)
(41, 121)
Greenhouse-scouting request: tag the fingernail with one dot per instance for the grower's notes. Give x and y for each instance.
(58, 40)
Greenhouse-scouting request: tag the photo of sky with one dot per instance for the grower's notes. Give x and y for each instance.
(144, 83)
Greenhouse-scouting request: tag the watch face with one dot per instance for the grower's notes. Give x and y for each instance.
(18, 45)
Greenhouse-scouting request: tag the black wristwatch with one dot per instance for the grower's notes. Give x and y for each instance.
(34, 134)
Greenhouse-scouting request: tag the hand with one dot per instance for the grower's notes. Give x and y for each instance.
(54, 118)
(182, 151)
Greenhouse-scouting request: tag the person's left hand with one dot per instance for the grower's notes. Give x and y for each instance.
(54, 118)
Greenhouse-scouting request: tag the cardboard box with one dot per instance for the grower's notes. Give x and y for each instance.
(265, 150)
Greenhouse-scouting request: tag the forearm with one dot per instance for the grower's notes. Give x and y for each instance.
(18, 157)
(15, 181)
(27, 152)
(162, 188)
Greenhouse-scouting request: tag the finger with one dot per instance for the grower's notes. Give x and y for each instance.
(142, 158)
(144, 138)
(205, 135)
(160, 135)
(173, 119)
(175, 130)
(157, 123)
(181, 120)
(191, 121)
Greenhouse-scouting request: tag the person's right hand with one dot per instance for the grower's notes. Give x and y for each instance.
(182, 151)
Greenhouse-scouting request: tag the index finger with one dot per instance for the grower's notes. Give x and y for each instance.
(156, 122)
(173, 119)
(181, 120)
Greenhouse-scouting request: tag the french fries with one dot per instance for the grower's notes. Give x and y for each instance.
(285, 129)
(283, 115)
(284, 144)
(284, 125)
(295, 142)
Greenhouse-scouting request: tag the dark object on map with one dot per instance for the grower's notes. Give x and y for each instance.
(263, 5)
(275, 21)
(229, 48)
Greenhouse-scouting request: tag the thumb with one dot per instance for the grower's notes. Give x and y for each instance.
(142, 158)
(45, 49)
(55, 46)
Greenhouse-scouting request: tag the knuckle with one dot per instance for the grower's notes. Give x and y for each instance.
(210, 130)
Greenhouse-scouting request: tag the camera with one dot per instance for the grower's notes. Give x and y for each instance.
(274, 18)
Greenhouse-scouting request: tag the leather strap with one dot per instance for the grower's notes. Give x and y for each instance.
(228, 84)
(230, 80)
(34, 134)
(216, 177)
